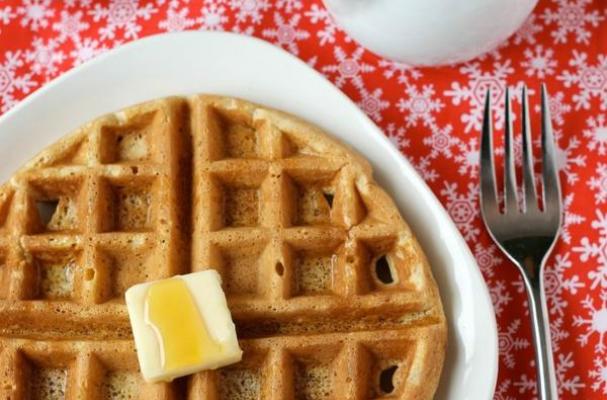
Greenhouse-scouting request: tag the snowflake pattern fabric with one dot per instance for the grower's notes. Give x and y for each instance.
(432, 115)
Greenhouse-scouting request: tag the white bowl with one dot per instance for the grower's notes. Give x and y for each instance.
(430, 32)
(229, 64)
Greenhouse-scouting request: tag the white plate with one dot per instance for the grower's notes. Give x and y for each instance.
(240, 66)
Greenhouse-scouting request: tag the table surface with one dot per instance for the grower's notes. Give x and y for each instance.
(432, 115)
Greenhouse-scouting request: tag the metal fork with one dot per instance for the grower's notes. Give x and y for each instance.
(525, 234)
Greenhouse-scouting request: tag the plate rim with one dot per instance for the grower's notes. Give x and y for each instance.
(41, 95)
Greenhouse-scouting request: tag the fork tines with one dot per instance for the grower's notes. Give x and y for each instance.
(550, 182)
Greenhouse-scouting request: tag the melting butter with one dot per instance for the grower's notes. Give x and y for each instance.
(182, 325)
(182, 334)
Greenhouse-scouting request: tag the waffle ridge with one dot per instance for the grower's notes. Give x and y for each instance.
(291, 219)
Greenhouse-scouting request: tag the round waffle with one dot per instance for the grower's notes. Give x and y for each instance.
(331, 294)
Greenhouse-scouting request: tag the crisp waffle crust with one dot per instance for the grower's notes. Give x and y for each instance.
(332, 296)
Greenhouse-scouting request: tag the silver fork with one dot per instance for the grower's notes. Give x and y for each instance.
(525, 234)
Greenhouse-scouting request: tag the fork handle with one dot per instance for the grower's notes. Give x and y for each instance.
(540, 324)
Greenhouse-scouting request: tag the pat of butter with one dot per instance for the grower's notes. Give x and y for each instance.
(182, 325)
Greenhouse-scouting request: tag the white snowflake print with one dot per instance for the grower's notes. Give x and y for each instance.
(35, 13)
(557, 333)
(403, 72)
(526, 384)
(44, 57)
(486, 258)
(289, 5)
(565, 160)
(397, 135)
(502, 390)
(526, 33)
(570, 218)
(564, 364)
(250, 9)
(82, 3)
(349, 67)
(558, 108)
(590, 80)
(320, 15)
(70, 26)
(463, 208)
(286, 34)
(539, 62)
(86, 50)
(6, 14)
(595, 322)
(474, 93)
(441, 141)
(555, 283)
(312, 62)
(121, 14)
(596, 134)
(10, 81)
(508, 343)
(213, 17)
(571, 16)
(598, 183)
(176, 20)
(500, 296)
(599, 375)
(248, 30)
(468, 157)
(495, 54)
(420, 105)
(598, 251)
(371, 102)
(423, 168)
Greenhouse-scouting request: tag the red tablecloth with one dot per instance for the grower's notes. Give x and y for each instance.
(432, 115)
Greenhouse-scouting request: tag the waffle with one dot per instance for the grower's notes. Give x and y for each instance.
(331, 294)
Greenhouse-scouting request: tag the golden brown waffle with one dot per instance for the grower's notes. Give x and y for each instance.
(331, 294)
